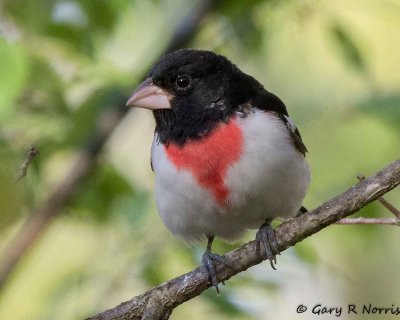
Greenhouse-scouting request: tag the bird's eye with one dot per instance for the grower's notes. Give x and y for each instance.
(182, 82)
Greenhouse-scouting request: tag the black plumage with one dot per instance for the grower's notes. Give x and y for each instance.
(213, 89)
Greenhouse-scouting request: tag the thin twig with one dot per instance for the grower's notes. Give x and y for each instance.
(362, 220)
(390, 207)
(384, 202)
(32, 153)
(160, 301)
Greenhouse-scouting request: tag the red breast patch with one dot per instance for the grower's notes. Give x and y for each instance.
(209, 158)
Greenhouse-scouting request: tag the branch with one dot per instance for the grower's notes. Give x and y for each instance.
(384, 202)
(86, 159)
(158, 302)
(361, 220)
(32, 153)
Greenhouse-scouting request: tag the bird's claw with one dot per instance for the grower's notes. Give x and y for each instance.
(208, 260)
(266, 236)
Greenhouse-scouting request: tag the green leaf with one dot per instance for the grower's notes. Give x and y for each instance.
(32, 15)
(242, 17)
(13, 73)
(348, 48)
(104, 102)
(100, 193)
(384, 106)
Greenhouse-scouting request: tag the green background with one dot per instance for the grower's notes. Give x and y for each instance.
(65, 64)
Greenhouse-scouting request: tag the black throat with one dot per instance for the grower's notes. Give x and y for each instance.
(178, 126)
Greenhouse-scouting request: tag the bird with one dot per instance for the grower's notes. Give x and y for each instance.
(225, 154)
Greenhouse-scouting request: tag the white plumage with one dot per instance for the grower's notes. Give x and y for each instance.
(269, 180)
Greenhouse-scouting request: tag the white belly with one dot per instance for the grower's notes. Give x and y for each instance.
(269, 180)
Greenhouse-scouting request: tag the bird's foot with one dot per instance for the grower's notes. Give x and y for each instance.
(301, 211)
(208, 260)
(266, 236)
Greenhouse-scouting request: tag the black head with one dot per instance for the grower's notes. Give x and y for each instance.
(191, 92)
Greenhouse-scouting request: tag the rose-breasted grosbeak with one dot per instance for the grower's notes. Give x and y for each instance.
(225, 153)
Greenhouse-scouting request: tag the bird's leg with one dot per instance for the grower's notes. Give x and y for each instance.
(208, 260)
(301, 211)
(266, 236)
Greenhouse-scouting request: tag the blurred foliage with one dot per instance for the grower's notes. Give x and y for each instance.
(348, 48)
(68, 65)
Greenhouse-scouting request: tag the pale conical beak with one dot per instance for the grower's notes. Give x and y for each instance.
(150, 96)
